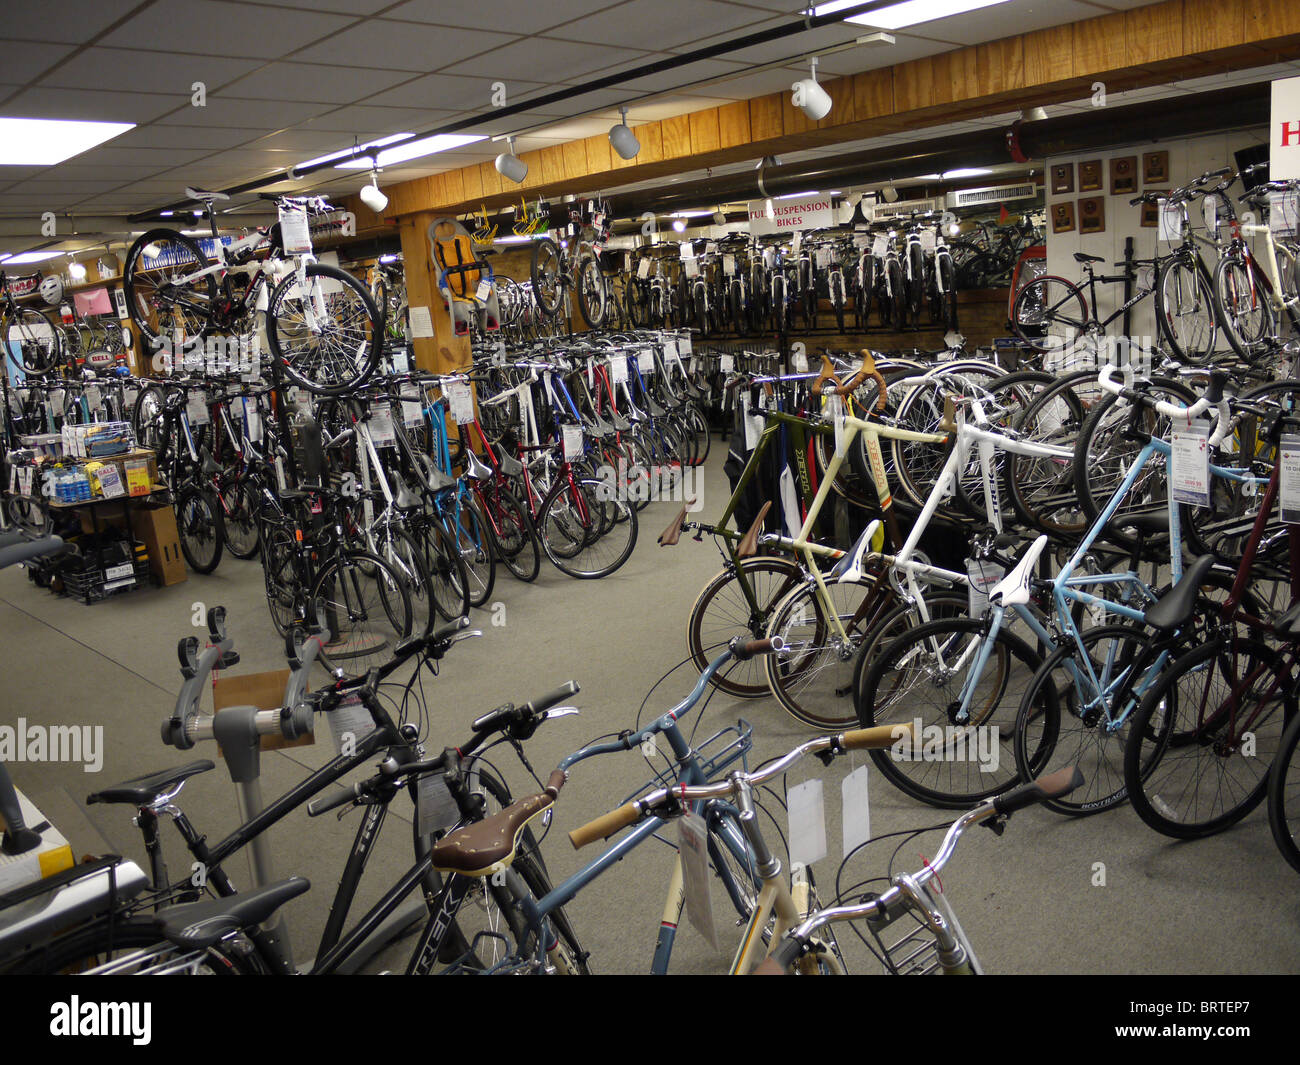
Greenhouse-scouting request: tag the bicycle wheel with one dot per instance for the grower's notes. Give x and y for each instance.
(1284, 795)
(474, 544)
(592, 297)
(1201, 744)
(202, 530)
(948, 299)
(400, 550)
(577, 511)
(547, 271)
(1049, 313)
(516, 539)
(328, 337)
(915, 284)
(1242, 302)
(955, 760)
(40, 345)
(149, 423)
(446, 569)
(239, 515)
(367, 611)
(1042, 491)
(170, 312)
(280, 576)
(722, 611)
(1087, 724)
(131, 946)
(897, 294)
(1185, 310)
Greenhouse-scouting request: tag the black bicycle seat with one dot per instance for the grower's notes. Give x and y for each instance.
(1175, 607)
(141, 791)
(1082, 257)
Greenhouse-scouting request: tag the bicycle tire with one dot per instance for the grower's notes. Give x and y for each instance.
(88, 948)
(593, 299)
(142, 291)
(1185, 314)
(42, 346)
(1283, 783)
(337, 357)
(547, 272)
(363, 632)
(1242, 303)
(584, 503)
(201, 528)
(1049, 312)
(516, 538)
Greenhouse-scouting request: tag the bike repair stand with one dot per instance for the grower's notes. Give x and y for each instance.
(1130, 275)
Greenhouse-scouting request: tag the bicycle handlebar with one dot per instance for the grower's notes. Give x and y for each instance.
(1169, 410)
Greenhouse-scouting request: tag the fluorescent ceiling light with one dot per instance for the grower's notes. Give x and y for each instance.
(439, 142)
(29, 257)
(515, 238)
(689, 214)
(348, 151)
(46, 141)
(907, 13)
(794, 195)
(970, 171)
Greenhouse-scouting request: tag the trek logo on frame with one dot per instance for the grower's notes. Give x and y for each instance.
(53, 743)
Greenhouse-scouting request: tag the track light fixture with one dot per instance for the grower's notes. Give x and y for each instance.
(510, 166)
(811, 98)
(371, 195)
(622, 139)
(76, 270)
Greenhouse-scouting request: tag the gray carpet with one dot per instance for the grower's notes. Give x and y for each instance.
(1027, 900)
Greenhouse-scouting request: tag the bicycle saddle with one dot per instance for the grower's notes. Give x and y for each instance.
(482, 848)
(600, 428)
(1174, 607)
(510, 466)
(404, 499)
(204, 195)
(475, 467)
(749, 542)
(1083, 257)
(196, 925)
(141, 791)
(1147, 525)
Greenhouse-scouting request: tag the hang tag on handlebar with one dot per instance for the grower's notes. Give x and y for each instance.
(196, 410)
(295, 231)
(1170, 225)
(807, 810)
(753, 423)
(412, 408)
(692, 267)
(983, 574)
(643, 269)
(381, 426)
(572, 443)
(726, 363)
(1189, 476)
(835, 412)
(879, 246)
(729, 266)
(435, 808)
(692, 848)
(856, 809)
(483, 291)
(459, 401)
(1289, 479)
(617, 369)
(349, 723)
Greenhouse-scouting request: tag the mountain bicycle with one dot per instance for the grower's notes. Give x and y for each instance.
(40, 346)
(554, 271)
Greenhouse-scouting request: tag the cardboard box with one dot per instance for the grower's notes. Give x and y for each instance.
(156, 527)
(262, 690)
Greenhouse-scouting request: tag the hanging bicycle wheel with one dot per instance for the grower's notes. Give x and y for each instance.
(548, 275)
(40, 345)
(326, 333)
(169, 305)
(593, 297)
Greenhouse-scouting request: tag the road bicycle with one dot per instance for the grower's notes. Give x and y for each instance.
(322, 326)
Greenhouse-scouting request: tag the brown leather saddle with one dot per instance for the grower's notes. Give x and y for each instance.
(487, 846)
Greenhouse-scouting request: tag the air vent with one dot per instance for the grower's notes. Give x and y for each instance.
(881, 211)
(992, 194)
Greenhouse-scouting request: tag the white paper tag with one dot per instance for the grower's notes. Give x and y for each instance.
(927, 240)
(572, 442)
(643, 269)
(350, 722)
(253, 420)
(807, 809)
(1289, 479)
(483, 291)
(753, 422)
(93, 397)
(435, 808)
(401, 360)
(1210, 211)
(26, 475)
(294, 230)
(823, 258)
(1282, 212)
(726, 363)
(412, 407)
(1170, 226)
(856, 809)
(684, 344)
(421, 322)
(382, 431)
(879, 246)
(692, 847)
(460, 402)
(692, 267)
(983, 575)
(686, 249)
(834, 410)
(645, 362)
(1189, 477)
(196, 410)
(617, 369)
(729, 266)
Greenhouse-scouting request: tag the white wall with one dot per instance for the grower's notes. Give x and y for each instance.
(1188, 158)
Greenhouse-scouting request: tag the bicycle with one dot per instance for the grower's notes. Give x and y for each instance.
(553, 271)
(40, 345)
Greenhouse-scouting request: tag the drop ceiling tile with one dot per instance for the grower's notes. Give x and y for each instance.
(790, 48)
(206, 27)
(654, 24)
(316, 83)
(256, 114)
(127, 70)
(369, 122)
(514, 16)
(22, 61)
(401, 46)
(343, 7)
(157, 158)
(455, 91)
(185, 137)
(72, 21)
(42, 102)
(670, 106)
(751, 85)
(1001, 20)
(546, 60)
(682, 78)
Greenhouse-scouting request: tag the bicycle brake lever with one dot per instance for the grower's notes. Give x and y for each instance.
(997, 825)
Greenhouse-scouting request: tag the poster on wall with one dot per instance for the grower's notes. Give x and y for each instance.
(1090, 176)
(1151, 210)
(1062, 218)
(1284, 130)
(1092, 215)
(1123, 175)
(1155, 168)
(1062, 178)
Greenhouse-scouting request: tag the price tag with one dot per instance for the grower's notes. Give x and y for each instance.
(1210, 211)
(294, 230)
(769, 258)
(692, 267)
(618, 368)
(879, 246)
(670, 349)
(686, 249)
(684, 344)
(412, 407)
(13, 479)
(643, 269)
(253, 420)
(861, 240)
(807, 809)
(835, 412)
(197, 410)
(93, 397)
(1289, 479)
(1190, 474)
(499, 352)
(1170, 226)
(726, 363)
(856, 809)
(350, 723)
(753, 422)
(692, 848)
(823, 258)
(729, 265)
(483, 291)
(401, 360)
(25, 476)
(572, 442)
(983, 575)
(1282, 212)
(110, 481)
(435, 808)
(382, 431)
(927, 240)
(459, 401)
(645, 362)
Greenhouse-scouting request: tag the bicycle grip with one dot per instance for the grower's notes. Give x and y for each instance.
(605, 826)
(540, 706)
(1052, 786)
(743, 650)
(778, 963)
(879, 737)
(343, 795)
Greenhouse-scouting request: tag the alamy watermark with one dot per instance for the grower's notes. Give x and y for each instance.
(651, 484)
(948, 743)
(53, 743)
(214, 355)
